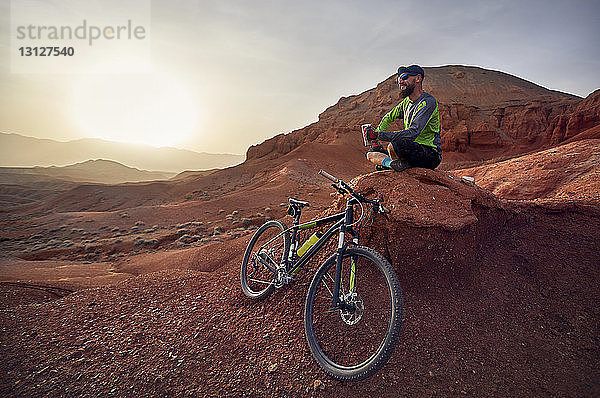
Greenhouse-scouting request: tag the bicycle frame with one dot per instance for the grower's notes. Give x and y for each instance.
(343, 224)
(338, 298)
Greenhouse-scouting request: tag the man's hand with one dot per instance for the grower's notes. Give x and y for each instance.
(372, 134)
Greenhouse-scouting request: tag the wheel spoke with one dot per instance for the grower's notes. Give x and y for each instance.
(328, 289)
(260, 281)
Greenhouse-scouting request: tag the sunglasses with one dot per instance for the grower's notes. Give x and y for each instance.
(404, 76)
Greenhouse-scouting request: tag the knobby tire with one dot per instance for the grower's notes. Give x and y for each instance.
(347, 351)
(256, 279)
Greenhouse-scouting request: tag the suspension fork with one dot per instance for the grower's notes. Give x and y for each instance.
(353, 261)
(336, 303)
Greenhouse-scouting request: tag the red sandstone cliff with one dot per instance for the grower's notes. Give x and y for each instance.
(582, 123)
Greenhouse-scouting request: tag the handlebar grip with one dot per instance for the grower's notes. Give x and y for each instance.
(328, 176)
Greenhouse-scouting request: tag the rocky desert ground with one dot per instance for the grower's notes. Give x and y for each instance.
(133, 289)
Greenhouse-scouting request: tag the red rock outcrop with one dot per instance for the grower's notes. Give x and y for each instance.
(567, 172)
(567, 126)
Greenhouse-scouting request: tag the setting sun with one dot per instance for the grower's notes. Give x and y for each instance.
(148, 108)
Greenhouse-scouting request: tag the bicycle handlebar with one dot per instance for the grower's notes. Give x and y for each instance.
(341, 186)
(329, 176)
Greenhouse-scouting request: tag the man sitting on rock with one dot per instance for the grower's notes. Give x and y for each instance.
(419, 144)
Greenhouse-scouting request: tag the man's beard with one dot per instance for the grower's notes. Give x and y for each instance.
(408, 90)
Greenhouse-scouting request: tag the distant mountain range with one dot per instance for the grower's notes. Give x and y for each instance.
(25, 185)
(22, 151)
(94, 171)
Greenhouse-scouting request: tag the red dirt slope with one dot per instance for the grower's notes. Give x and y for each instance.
(498, 302)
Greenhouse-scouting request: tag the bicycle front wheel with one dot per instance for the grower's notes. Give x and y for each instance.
(355, 342)
(265, 252)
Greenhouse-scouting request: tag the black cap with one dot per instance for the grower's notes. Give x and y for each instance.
(411, 70)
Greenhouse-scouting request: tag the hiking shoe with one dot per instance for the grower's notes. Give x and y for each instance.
(381, 168)
(378, 148)
(399, 165)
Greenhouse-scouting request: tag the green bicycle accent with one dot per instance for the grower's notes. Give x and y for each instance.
(307, 226)
(352, 275)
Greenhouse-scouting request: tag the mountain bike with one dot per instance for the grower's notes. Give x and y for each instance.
(353, 309)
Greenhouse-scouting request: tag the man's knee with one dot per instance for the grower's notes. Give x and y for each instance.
(391, 151)
(376, 157)
(371, 156)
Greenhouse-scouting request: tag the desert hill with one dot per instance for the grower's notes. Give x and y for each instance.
(18, 189)
(98, 170)
(102, 171)
(134, 288)
(29, 185)
(21, 151)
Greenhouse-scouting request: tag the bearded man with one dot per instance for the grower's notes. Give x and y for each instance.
(418, 144)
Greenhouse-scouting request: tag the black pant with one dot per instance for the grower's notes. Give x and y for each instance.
(416, 154)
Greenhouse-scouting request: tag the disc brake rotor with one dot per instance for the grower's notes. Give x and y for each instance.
(353, 317)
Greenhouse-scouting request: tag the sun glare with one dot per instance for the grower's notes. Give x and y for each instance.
(147, 108)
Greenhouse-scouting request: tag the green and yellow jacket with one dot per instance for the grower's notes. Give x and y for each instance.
(421, 122)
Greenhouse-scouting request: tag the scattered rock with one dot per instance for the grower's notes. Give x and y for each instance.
(189, 238)
(318, 385)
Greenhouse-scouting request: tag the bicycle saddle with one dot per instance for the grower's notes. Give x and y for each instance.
(299, 203)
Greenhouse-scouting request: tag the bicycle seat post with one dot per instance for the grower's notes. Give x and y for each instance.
(298, 214)
(294, 211)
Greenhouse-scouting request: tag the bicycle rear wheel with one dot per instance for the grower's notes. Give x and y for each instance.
(267, 248)
(355, 343)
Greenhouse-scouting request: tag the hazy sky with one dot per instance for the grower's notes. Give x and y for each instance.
(223, 75)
